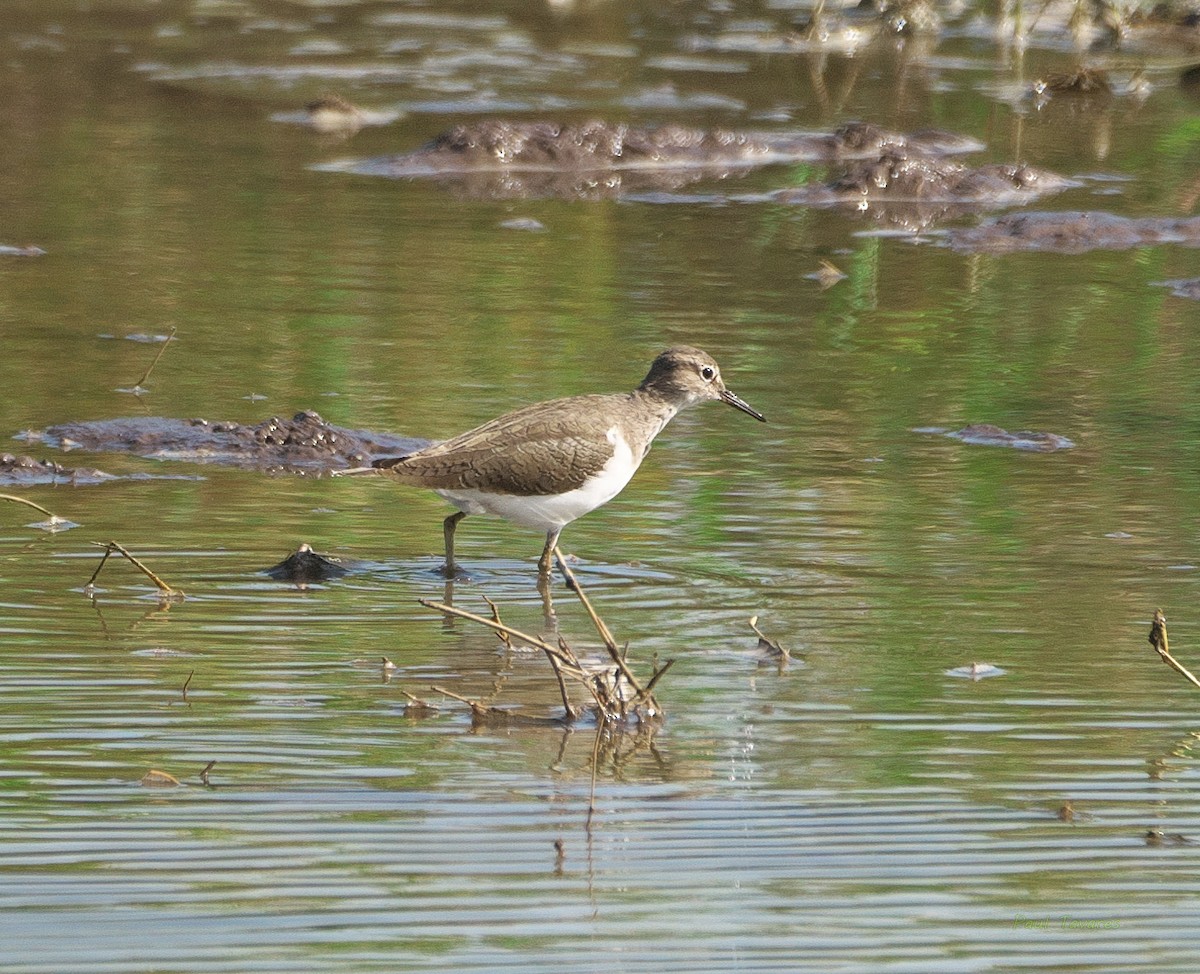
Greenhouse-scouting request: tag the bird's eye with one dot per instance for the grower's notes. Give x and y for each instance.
(708, 373)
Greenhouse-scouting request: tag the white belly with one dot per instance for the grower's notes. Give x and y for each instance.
(551, 512)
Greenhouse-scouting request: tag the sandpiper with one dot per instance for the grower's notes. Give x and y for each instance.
(547, 464)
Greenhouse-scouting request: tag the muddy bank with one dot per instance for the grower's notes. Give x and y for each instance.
(25, 471)
(1072, 233)
(905, 178)
(914, 192)
(305, 443)
(986, 434)
(504, 159)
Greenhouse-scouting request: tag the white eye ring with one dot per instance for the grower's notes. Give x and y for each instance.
(708, 373)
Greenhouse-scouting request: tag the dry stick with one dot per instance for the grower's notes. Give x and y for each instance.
(1158, 639)
(609, 643)
(96, 574)
(653, 680)
(556, 665)
(559, 658)
(504, 637)
(111, 546)
(601, 628)
(146, 375)
(595, 770)
(186, 682)
(36, 507)
(491, 624)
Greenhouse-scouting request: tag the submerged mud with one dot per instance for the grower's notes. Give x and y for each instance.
(1072, 233)
(303, 443)
(504, 159)
(26, 471)
(916, 191)
(987, 434)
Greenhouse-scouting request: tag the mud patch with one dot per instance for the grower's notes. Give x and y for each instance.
(501, 159)
(25, 471)
(915, 191)
(985, 434)
(1072, 233)
(303, 444)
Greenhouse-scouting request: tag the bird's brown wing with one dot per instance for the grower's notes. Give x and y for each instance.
(546, 448)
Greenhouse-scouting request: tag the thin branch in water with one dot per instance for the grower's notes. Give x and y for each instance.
(109, 547)
(1158, 639)
(187, 682)
(556, 664)
(29, 503)
(601, 628)
(767, 644)
(504, 637)
(146, 374)
(207, 768)
(609, 643)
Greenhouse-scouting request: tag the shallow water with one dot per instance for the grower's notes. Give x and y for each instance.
(862, 808)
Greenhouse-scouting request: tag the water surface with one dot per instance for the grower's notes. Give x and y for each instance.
(861, 809)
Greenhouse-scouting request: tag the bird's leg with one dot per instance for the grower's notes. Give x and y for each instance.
(448, 527)
(546, 562)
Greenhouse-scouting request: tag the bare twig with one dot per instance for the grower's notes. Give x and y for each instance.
(767, 644)
(28, 503)
(110, 546)
(187, 682)
(601, 628)
(609, 643)
(556, 664)
(146, 374)
(504, 637)
(1158, 639)
(207, 768)
(492, 624)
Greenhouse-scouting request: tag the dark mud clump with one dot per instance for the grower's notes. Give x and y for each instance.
(305, 566)
(547, 145)
(986, 434)
(1073, 233)
(934, 179)
(915, 191)
(25, 471)
(304, 443)
(503, 159)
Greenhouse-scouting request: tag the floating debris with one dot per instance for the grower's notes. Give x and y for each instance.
(1157, 837)
(976, 671)
(827, 275)
(767, 646)
(525, 223)
(159, 779)
(9, 251)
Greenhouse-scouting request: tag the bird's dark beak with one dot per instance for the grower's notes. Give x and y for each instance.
(736, 403)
